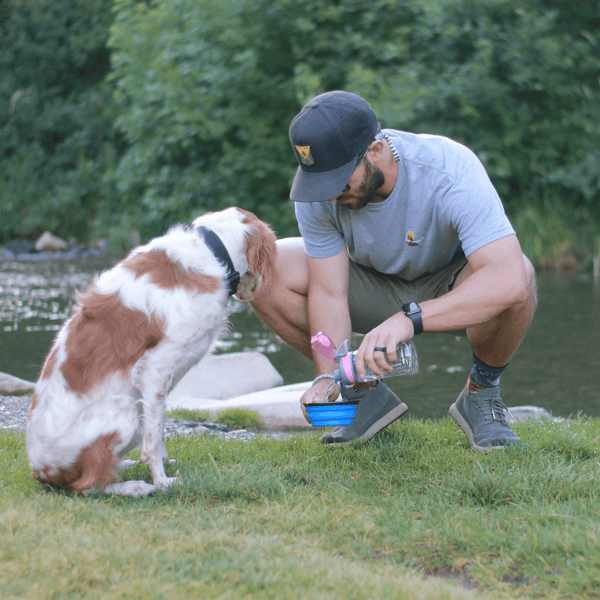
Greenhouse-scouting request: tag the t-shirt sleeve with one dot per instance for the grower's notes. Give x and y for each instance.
(474, 209)
(319, 230)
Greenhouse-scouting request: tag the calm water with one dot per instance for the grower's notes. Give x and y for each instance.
(557, 366)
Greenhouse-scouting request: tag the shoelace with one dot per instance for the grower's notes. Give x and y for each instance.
(492, 409)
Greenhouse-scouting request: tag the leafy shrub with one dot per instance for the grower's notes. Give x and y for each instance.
(238, 418)
(191, 112)
(206, 90)
(54, 124)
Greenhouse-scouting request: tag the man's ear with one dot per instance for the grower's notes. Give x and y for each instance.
(376, 151)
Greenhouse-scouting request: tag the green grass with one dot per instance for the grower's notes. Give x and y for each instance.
(293, 519)
(234, 418)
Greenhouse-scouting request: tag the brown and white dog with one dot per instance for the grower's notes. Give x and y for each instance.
(134, 333)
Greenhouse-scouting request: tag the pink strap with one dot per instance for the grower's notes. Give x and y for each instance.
(322, 344)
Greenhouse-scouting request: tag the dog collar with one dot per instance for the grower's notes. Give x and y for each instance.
(216, 246)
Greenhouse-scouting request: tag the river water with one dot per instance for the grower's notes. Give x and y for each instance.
(557, 366)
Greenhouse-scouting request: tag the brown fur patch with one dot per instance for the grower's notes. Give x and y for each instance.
(95, 466)
(34, 401)
(105, 337)
(50, 363)
(262, 246)
(169, 275)
(99, 463)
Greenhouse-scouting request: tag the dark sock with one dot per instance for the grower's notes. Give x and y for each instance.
(484, 376)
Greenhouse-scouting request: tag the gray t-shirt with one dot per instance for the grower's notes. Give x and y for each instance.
(443, 202)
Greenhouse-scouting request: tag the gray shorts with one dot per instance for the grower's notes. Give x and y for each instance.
(374, 297)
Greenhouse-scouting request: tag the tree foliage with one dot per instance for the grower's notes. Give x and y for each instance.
(53, 122)
(203, 97)
(207, 90)
(202, 93)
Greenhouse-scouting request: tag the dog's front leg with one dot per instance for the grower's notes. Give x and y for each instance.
(154, 451)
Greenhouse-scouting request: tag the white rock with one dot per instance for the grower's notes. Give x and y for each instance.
(516, 414)
(227, 376)
(14, 385)
(50, 243)
(279, 407)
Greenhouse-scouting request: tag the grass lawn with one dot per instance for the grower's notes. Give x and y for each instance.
(411, 514)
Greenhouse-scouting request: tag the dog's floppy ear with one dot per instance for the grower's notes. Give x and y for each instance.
(261, 253)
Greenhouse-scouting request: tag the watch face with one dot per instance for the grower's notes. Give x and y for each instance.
(411, 308)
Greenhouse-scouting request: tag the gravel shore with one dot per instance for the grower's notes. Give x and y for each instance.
(15, 409)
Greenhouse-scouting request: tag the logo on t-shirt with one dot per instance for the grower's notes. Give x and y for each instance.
(410, 239)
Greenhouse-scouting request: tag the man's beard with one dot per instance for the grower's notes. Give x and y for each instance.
(372, 180)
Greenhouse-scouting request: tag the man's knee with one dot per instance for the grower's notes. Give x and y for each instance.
(291, 273)
(531, 282)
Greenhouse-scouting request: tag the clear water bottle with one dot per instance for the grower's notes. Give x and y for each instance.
(346, 375)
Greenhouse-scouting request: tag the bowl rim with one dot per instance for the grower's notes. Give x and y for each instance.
(331, 404)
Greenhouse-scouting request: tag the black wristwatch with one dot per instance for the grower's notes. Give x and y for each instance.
(413, 311)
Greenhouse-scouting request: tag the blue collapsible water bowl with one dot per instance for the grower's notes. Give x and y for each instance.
(331, 414)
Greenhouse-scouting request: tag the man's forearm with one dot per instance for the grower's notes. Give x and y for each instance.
(332, 317)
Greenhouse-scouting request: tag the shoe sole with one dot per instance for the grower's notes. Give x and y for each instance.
(386, 420)
(462, 423)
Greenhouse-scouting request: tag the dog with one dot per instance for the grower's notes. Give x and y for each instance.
(134, 333)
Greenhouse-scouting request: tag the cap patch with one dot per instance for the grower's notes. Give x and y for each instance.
(305, 156)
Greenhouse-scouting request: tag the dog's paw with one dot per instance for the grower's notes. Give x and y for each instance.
(163, 484)
(136, 489)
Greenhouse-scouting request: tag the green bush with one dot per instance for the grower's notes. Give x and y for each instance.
(54, 124)
(206, 90)
(239, 418)
(191, 111)
(515, 81)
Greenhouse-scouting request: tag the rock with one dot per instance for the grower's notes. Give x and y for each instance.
(18, 247)
(50, 243)
(227, 376)
(518, 414)
(278, 407)
(14, 386)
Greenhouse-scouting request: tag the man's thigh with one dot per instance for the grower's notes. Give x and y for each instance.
(374, 297)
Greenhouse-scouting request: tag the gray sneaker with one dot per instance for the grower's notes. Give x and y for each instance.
(482, 417)
(378, 406)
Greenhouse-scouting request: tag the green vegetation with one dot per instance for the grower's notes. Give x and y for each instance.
(184, 414)
(293, 519)
(56, 136)
(123, 114)
(239, 418)
(234, 418)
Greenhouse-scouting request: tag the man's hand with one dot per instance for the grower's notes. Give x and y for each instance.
(393, 331)
(322, 391)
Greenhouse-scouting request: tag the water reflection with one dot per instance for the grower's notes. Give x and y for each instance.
(557, 366)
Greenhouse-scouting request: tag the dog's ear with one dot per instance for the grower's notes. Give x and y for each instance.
(261, 252)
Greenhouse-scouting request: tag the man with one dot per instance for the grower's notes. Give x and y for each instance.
(401, 234)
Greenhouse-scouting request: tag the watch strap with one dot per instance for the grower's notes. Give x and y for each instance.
(413, 311)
